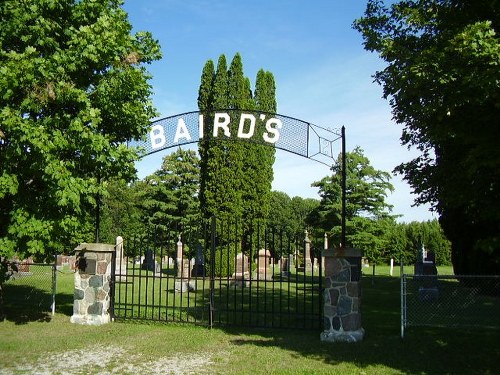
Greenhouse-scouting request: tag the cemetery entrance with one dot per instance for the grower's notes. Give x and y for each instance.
(220, 273)
(227, 271)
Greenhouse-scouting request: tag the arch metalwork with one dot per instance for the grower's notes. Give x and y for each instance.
(282, 132)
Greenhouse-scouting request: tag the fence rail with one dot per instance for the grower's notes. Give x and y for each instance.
(450, 301)
(223, 274)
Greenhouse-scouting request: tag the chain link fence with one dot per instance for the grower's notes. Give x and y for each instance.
(29, 293)
(450, 301)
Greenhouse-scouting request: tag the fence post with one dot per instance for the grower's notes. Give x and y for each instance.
(54, 284)
(402, 291)
(212, 272)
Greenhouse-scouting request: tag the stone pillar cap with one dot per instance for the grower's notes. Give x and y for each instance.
(95, 247)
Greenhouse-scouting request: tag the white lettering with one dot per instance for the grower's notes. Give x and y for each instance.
(200, 126)
(182, 131)
(223, 125)
(157, 136)
(273, 130)
(241, 127)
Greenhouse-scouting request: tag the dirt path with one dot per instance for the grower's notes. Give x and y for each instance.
(110, 360)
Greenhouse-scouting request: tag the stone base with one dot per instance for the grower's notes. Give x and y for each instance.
(239, 283)
(343, 336)
(184, 286)
(90, 319)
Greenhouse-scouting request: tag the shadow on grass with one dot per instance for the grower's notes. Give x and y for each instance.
(23, 304)
(423, 350)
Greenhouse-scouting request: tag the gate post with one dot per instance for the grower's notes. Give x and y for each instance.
(342, 296)
(93, 293)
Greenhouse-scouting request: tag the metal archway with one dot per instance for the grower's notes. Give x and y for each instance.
(282, 132)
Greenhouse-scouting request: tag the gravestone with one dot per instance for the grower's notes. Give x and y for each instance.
(241, 275)
(59, 263)
(307, 252)
(425, 271)
(199, 263)
(120, 261)
(263, 271)
(285, 266)
(182, 282)
(148, 263)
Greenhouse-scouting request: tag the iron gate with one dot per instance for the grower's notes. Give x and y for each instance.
(220, 273)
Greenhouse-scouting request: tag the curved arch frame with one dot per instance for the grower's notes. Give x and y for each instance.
(282, 132)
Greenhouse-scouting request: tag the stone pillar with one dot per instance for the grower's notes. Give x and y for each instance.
(307, 252)
(342, 296)
(92, 297)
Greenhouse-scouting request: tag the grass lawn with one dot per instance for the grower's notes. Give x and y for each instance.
(59, 347)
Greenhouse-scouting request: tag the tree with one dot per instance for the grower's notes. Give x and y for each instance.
(236, 177)
(220, 163)
(366, 190)
(169, 197)
(121, 212)
(428, 235)
(73, 91)
(291, 213)
(442, 79)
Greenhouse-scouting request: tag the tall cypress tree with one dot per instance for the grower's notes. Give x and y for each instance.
(236, 176)
(219, 166)
(261, 166)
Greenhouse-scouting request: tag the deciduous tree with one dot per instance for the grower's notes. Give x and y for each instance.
(442, 80)
(73, 91)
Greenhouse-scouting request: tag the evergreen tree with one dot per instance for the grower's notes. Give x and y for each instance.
(367, 189)
(170, 196)
(236, 176)
(121, 213)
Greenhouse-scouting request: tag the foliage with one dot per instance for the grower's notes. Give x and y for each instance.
(366, 190)
(73, 90)
(442, 79)
(121, 212)
(289, 219)
(406, 239)
(291, 213)
(236, 177)
(169, 197)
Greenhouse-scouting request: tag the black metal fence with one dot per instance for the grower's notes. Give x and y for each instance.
(29, 293)
(220, 273)
(450, 301)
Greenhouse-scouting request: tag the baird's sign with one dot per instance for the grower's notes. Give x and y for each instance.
(222, 124)
(271, 129)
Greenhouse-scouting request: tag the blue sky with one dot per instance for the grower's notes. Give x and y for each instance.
(323, 75)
